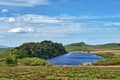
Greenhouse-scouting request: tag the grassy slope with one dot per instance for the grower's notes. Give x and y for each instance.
(77, 47)
(4, 52)
(106, 48)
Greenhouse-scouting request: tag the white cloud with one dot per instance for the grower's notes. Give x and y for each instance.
(4, 10)
(47, 26)
(32, 18)
(48, 31)
(28, 3)
(21, 30)
(43, 19)
(11, 20)
(87, 17)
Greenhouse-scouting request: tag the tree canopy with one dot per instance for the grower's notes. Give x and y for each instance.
(44, 49)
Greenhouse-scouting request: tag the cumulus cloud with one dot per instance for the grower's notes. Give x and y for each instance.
(28, 3)
(4, 10)
(21, 30)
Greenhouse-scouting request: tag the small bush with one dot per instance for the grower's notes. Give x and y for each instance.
(33, 62)
(11, 61)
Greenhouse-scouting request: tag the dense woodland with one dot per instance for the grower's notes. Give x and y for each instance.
(44, 50)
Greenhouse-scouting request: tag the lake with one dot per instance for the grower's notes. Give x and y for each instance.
(75, 58)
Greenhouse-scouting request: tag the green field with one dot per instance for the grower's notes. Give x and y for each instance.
(59, 73)
(4, 52)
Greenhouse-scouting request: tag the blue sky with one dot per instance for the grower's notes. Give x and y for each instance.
(64, 21)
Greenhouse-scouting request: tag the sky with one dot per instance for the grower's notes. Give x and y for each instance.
(63, 21)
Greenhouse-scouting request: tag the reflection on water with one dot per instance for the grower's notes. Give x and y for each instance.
(74, 58)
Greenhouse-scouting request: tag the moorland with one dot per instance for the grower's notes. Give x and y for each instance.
(23, 69)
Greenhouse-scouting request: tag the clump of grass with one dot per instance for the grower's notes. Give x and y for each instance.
(109, 61)
(33, 62)
(106, 55)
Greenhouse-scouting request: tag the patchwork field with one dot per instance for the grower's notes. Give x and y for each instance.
(60, 73)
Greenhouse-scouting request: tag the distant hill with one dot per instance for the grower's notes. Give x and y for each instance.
(113, 46)
(81, 46)
(1, 46)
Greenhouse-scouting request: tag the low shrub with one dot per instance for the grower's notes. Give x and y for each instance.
(11, 61)
(33, 62)
(109, 61)
(106, 55)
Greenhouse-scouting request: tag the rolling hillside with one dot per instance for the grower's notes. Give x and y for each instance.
(4, 52)
(105, 48)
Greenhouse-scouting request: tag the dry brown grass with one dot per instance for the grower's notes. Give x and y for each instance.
(102, 51)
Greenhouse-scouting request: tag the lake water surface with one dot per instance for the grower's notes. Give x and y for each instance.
(74, 58)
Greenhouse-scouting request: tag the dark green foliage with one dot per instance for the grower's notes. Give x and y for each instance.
(44, 49)
(11, 60)
(33, 62)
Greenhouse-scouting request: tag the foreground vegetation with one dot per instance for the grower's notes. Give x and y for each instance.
(110, 59)
(59, 73)
(4, 53)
